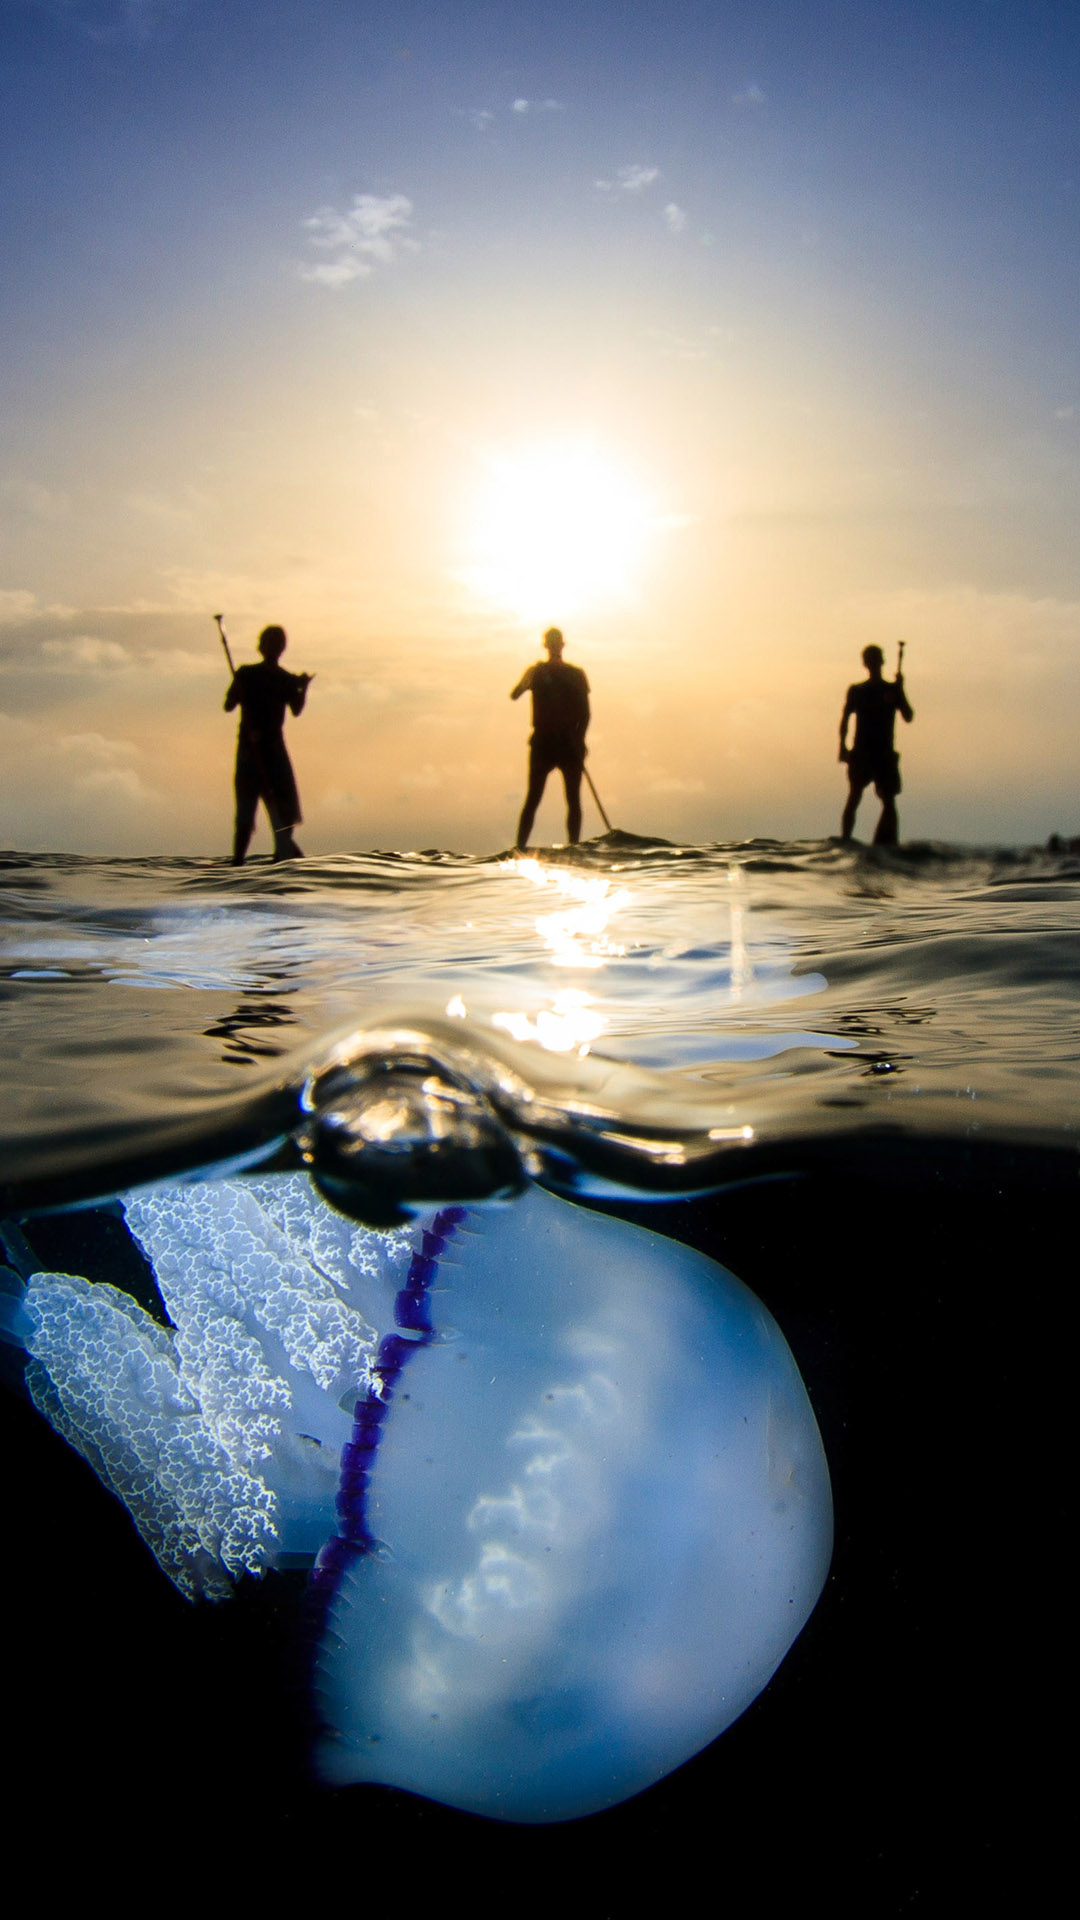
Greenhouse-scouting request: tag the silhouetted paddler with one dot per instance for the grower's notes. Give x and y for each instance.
(871, 759)
(264, 772)
(560, 712)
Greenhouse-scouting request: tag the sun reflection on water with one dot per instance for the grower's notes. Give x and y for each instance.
(576, 936)
(568, 1023)
(688, 1002)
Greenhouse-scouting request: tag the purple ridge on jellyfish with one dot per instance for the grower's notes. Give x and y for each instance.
(412, 1311)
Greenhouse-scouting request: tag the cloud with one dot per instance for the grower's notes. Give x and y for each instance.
(18, 606)
(483, 117)
(370, 234)
(676, 346)
(992, 639)
(118, 783)
(673, 783)
(86, 651)
(42, 666)
(168, 511)
(108, 22)
(29, 496)
(749, 96)
(633, 178)
(94, 765)
(423, 779)
(196, 589)
(675, 217)
(55, 785)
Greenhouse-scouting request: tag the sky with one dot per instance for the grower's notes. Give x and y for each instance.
(731, 336)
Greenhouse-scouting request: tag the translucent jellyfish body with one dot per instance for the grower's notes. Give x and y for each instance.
(560, 1477)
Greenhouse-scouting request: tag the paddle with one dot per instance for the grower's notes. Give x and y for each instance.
(219, 617)
(598, 800)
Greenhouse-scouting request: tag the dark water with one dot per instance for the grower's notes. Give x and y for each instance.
(850, 1077)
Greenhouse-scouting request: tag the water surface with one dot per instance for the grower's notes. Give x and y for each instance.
(850, 1075)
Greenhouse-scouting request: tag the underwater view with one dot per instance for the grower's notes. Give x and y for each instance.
(540, 1361)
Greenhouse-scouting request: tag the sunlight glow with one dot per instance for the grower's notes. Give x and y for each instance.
(557, 530)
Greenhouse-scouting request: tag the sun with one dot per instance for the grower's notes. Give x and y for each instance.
(557, 527)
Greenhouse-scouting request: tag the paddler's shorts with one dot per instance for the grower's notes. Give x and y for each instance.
(266, 775)
(882, 773)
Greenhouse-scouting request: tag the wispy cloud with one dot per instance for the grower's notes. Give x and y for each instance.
(675, 217)
(749, 96)
(633, 178)
(484, 117)
(46, 778)
(675, 784)
(83, 654)
(423, 779)
(373, 231)
(18, 607)
(676, 346)
(30, 497)
(134, 22)
(86, 651)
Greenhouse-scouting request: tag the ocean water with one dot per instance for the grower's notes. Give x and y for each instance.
(849, 1075)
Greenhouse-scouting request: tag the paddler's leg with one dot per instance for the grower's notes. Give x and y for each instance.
(282, 802)
(887, 786)
(888, 827)
(539, 768)
(856, 790)
(285, 847)
(246, 788)
(571, 774)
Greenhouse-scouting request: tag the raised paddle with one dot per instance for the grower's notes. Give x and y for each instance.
(251, 737)
(219, 617)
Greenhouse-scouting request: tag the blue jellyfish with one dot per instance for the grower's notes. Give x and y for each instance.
(557, 1478)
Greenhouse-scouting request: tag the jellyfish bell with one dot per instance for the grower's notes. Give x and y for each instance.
(609, 1560)
(559, 1476)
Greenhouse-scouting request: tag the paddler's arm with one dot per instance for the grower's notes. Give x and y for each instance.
(584, 714)
(844, 718)
(523, 684)
(232, 698)
(298, 693)
(903, 708)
